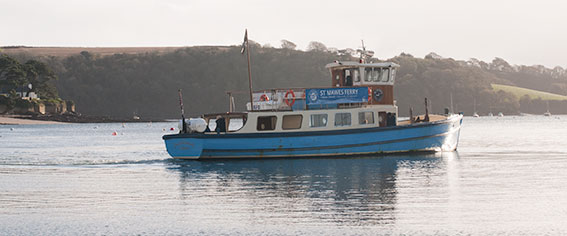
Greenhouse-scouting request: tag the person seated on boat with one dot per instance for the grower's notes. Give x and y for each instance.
(221, 125)
(348, 81)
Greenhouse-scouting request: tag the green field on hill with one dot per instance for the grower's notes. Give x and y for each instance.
(534, 94)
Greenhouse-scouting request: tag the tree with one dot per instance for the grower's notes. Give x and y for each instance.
(288, 44)
(12, 73)
(15, 75)
(347, 52)
(39, 74)
(5, 62)
(316, 46)
(254, 44)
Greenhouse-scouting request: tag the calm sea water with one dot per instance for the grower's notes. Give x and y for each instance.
(509, 177)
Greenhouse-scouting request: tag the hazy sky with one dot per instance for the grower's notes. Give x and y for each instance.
(521, 32)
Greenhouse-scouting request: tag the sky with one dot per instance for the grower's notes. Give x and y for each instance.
(521, 32)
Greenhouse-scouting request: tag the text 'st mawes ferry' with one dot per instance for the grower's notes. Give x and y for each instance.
(357, 115)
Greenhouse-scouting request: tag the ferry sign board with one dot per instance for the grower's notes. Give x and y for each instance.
(336, 95)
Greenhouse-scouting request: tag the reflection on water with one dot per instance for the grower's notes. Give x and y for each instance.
(507, 178)
(337, 191)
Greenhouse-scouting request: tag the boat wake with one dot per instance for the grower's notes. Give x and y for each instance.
(86, 163)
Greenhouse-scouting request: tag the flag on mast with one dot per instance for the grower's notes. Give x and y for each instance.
(243, 49)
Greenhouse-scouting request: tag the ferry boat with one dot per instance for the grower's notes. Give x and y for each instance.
(356, 115)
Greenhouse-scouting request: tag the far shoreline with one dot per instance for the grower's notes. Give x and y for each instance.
(63, 119)
(15, 120)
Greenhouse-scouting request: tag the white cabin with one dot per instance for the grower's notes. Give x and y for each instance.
(360, 96)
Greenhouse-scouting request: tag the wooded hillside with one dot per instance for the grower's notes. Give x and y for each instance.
(146, 84)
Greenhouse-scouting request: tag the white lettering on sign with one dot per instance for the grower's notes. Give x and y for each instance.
(338, 92)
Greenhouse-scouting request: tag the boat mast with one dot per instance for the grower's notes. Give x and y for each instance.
(247, 45)
(184, 127)
(547, 102)
(426, 118)
(452, 110)
(362, 59)
(474, 105)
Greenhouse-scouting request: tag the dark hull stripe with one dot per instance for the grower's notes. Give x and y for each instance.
(205, 151)
(332, 155)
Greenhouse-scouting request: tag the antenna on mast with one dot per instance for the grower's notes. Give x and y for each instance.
(364, 55)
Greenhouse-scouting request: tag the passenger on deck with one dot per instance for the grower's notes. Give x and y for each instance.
(221, 125)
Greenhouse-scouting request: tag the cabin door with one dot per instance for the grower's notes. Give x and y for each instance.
(382, 119)
(338, 78)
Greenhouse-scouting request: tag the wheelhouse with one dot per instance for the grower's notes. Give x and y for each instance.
(378, 77)
(360, 96)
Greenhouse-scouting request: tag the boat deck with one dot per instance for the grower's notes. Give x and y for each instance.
(432, 118)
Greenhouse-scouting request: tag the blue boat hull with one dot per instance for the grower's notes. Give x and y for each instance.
(431, 136)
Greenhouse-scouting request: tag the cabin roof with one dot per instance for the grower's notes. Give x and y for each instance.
(350, 64)
(226, 115)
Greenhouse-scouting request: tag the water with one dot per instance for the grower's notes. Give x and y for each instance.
(509, 177)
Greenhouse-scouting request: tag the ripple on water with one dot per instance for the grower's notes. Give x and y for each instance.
(508, 178)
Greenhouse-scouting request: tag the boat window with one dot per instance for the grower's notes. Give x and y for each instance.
(235, 124)
(366, 117)
(393, 75)
(342, 119)
(385, 75)
(266, 123)
(318, 120)
(356, 75)
(292, 121)
(376, 74)
(368, 74)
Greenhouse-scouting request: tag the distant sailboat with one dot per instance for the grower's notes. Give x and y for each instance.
(452, 109)
(474, 109)
(547, 113)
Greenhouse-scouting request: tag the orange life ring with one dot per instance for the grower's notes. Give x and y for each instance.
(287, 100)
(369, 94)
(264, 97)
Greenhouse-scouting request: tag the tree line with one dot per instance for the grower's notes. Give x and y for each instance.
(146, 84)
